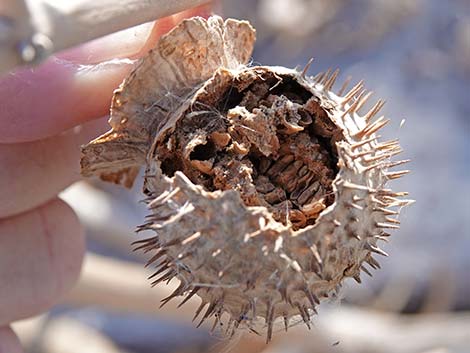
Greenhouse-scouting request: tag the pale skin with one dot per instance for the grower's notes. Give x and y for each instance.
(41, 239)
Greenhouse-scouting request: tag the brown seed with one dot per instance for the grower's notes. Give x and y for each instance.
(264, 164)
(289, 173)
(280, 165)
(308, 192)
(291, 184)
(275, 196)
(303, 171)
(263, 185)
(302, 184)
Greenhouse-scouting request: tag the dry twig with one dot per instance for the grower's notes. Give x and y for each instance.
(120, 286)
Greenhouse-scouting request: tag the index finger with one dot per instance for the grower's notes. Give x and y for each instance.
(65, 92)
(58, 95)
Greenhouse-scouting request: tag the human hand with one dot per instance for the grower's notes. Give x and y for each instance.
(45, 115)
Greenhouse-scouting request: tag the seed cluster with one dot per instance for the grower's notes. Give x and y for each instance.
(267, 138)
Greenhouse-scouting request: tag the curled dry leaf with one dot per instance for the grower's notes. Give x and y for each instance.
(265, 189)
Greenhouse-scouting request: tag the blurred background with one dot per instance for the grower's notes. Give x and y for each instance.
(413, 53)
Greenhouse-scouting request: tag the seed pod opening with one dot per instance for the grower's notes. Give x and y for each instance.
(265, 188)
(262, 133)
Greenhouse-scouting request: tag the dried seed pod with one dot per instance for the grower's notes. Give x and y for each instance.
(265, 188)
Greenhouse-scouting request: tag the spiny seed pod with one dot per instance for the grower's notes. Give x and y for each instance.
(265, 189)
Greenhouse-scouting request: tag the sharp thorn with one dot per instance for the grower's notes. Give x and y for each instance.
(353, 107)
(169, 275)
(199, 309)
(357, 278)
(387, 225)
(344, 86)
(392, 220)
(210, 310)
(352, 92)
(364, 269)
(364, 100)
(374, 110)
(375, 249)
(374, 261)
(325, 77)
(372, 128)
(319, 77)
(269, 320)
(307, 66)
(286, 322)
(364, 142)
(304, 314)
(397, 163)
(190, 295)
(216, 320)
(385, 211)
(396, 175)
(147, 240)
(191, 238)
(331, 81)
(177, 292)
(312, 298)
(164, 267)
(155, 257)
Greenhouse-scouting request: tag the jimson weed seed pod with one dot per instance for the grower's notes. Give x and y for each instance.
(265, 189)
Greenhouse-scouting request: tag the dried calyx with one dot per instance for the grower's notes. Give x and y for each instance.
(265, 189)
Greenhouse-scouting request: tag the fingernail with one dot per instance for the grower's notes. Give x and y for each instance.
(202, 11)
(128, 43)
(165, 24)
(122, 44)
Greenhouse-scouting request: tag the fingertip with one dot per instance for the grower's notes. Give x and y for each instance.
(119, 45)
(45, 248)
(63, 222)
(44, 168)
(165, 24)
(161, 27)
(9, 342)
(205, 11)
(68, 90)
(58, 95)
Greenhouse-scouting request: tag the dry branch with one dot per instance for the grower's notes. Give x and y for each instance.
(62, 335)
(121, 286)
(354, 330)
